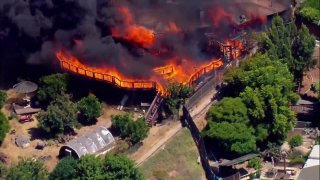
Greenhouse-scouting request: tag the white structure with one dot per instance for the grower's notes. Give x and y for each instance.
(96, 142)
(314, 157)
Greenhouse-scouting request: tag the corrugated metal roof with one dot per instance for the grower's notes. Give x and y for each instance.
(94, 142)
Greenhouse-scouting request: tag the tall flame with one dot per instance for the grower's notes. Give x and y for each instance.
(133, 32)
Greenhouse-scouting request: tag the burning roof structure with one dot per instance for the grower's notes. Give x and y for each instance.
(138, 44)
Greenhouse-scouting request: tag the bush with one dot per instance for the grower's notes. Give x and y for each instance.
(61, 116)
(28, 169)
(3, 98)
(65, 169)
(4, 126)
(90, 109)
(296, 158)
(127, 127)
(296, 141)
(255, 163)
(51, 86)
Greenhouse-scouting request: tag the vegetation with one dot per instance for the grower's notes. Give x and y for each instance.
(91, 167)
(292, 47)
(28, 169)
(176, 95)
(178, 157)
(127, 127)
(229, 123)
(316, 88)
(52, 86)
(259, 114)
(296, 141)
(65, 169)
(3, 98)
(60, 116)
(3, 170)
(90, 109)
(4, 127)
(255, 163)
(296, 158)
(120, 167)
(311, 10)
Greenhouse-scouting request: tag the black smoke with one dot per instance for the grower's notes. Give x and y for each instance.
(31, 31)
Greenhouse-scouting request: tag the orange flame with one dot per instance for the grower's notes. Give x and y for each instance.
(132, 32)
(182, 73)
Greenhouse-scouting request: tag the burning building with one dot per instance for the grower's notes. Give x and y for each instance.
(141, 44)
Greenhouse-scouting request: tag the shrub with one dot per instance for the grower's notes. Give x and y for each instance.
(255, 163)
(28, 169)
(90, 109)
(3, 98)
(296, 141)
(4, 126)
(51, 86)
(65, 169)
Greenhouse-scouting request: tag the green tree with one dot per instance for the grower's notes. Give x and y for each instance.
(296, 141)
(3, 98)
(90, 108)
(302, 51)
(66, 169)
(120, 122)
(255, 163)
(90, 167)
(60, 116)
(177, 93)
(266, 89)
(137, 130)
(229, 126)
(51, 86)
(127, 127)
(120, 167)
(4, 127)
(230, 110)
(28, 169)
(294, 48)
(232, 137)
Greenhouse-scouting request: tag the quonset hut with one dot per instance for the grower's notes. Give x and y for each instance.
(96, 142)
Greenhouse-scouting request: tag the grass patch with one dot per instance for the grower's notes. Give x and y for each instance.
(178, 160)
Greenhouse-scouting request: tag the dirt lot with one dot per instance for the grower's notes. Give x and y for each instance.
(30, 129)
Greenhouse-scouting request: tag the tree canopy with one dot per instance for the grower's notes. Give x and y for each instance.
(177, 92)
(60, 116)
(3, 98)
(90, 167)
(28, 169)
(228, 124)
(65, 169)
(51, 86)
(90, 108)
(120, 167)
(294, 48)
(259, 113)
(4, 127)
(135, 130)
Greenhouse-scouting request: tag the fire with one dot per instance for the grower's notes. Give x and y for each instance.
(133, 32)
(181, 73)
(172, 27)
(218, 15)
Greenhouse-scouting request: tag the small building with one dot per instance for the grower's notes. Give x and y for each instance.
(96, 142)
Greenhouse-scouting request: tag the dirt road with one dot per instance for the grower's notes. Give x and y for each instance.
(152, 144)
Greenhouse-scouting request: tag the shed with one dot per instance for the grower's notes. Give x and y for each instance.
(96, 142)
